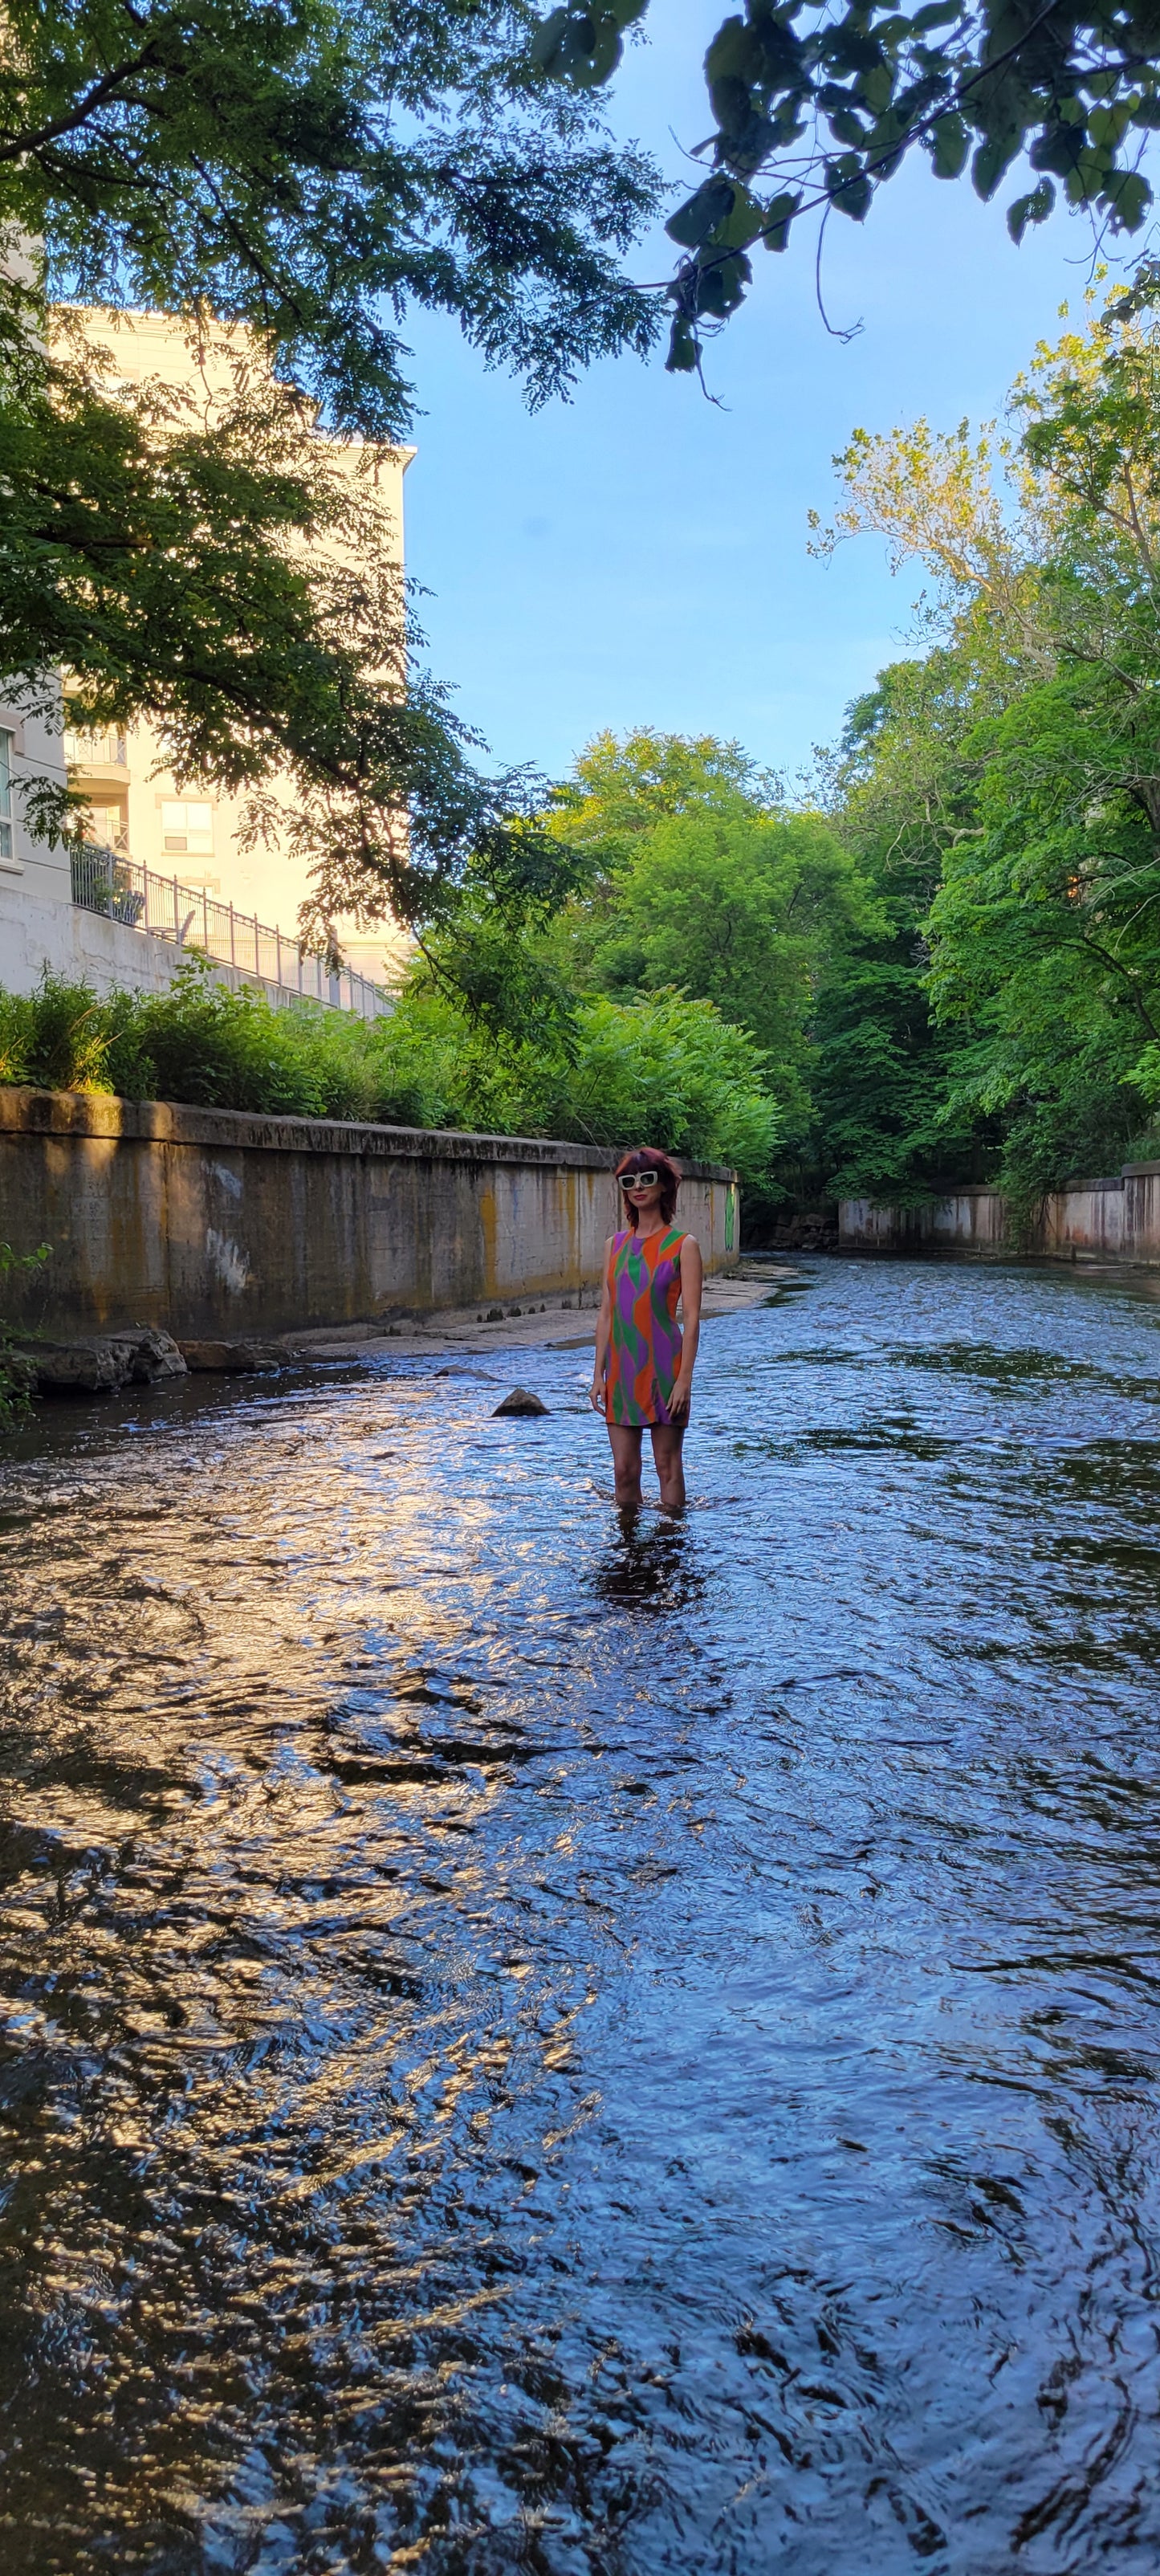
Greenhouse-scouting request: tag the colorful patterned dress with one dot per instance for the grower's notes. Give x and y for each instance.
(644, 1351)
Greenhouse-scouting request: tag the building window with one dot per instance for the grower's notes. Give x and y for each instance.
(106, 829)
(188, 827)
(5, 796)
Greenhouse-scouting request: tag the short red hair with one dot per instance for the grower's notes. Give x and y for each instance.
(647, 1158)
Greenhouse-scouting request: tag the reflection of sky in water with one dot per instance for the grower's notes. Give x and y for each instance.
(527, 2046)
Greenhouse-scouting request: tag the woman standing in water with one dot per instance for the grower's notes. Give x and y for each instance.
(643, 1371)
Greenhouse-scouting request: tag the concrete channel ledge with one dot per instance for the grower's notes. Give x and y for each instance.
(1114, 1218)
(216, 1224)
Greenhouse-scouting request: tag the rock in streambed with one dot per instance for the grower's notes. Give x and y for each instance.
(521, 1400)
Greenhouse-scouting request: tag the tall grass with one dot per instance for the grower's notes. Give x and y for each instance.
(15, 1383)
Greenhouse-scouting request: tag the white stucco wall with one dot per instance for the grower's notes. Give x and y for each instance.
(39, 871)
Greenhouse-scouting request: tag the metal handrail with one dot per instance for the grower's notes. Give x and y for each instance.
(106, 882)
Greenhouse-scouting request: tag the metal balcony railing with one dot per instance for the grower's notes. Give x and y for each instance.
(104, 882)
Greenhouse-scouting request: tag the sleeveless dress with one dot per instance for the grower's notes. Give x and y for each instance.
(644, 1351)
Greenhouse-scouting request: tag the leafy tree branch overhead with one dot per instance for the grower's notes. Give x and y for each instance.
(815, 103)
(301, 174)
(311, 170)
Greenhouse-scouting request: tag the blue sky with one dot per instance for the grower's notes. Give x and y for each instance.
(638, 556)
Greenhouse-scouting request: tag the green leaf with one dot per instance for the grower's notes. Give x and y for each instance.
(949, 148)
(721, 284)
(698, 219)
(1033, 209)
(779, 215)
(744, 222)
(848, 188)
(991, 161)
(682, 357)
(731, 56)
(546, 41)
(847, 128)
(937, 14)
(605, 55)
(876, 87)
(1129, 196)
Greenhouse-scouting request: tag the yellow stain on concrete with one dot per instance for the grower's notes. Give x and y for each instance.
(488, 1227)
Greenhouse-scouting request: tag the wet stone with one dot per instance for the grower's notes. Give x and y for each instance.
(232, 1358)
(99, 1363)
(521, 1400)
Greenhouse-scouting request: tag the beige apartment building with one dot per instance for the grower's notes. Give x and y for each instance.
(137, 809)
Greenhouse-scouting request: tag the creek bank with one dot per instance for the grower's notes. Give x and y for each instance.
(104, 1364)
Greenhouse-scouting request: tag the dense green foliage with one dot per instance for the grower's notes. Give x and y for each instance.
(700, 879)
(952, 970)
(311, 173)
(1002, 797)
(312, 170)
(662, 1067)
(944, 968)
(222, 571)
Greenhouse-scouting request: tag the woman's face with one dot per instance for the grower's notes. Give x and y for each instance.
(642, 1191)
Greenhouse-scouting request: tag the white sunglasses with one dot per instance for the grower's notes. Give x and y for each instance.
(640, 1180)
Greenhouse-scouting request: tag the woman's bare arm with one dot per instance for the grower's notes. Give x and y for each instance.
(603, 1336)
(692, 1283)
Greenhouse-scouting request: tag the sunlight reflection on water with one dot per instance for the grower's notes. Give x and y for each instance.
(530, 2048)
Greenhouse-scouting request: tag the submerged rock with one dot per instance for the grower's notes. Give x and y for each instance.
(521, 1400)
(233, 1357)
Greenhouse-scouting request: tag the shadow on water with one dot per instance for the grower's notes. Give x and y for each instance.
(651, 1565)
(528, 2044)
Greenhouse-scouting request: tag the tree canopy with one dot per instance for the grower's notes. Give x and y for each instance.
(1003, 791)
(816, 103)
(699, 880)
(306, 173)
(313, 169)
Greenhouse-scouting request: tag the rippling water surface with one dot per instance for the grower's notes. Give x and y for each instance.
(527, 2048)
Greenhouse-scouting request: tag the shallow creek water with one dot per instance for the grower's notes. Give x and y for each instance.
(531, 2048)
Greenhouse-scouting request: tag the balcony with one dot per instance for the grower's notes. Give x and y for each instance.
(249, 950)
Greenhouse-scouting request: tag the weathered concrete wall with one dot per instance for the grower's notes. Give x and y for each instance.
(214, 1223)
(1117, 1219)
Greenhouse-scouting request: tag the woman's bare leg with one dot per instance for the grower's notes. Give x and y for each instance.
(666, 1441)
(626, 1448)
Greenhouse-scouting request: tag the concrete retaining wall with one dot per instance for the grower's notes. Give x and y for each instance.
(50, 931)
(46, 929)
(214, 1223)
(1116, 1219)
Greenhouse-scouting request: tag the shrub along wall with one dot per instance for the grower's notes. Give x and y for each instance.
(212, 1222)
